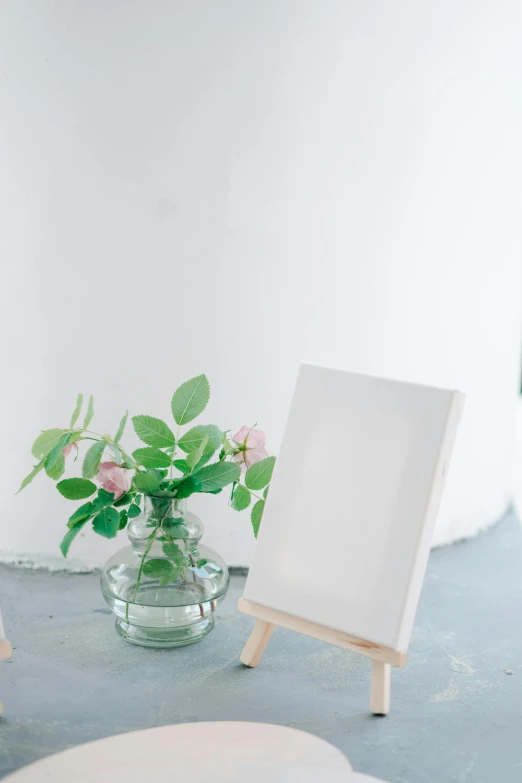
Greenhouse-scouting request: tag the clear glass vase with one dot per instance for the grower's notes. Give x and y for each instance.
(164, 587)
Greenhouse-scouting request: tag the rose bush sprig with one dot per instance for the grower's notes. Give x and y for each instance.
(169, 466)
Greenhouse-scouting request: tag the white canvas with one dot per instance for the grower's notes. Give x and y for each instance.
(349, 519)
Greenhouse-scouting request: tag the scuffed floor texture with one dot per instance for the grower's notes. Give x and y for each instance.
(456, 708)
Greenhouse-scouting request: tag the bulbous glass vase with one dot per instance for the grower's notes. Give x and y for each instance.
(164, 587)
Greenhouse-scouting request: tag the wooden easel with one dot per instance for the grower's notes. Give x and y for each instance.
(382, 657)
(392, 433)
(5, 649)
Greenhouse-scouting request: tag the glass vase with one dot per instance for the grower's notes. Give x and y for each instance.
(165, 586)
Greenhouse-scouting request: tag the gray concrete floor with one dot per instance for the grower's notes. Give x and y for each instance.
(456, 708)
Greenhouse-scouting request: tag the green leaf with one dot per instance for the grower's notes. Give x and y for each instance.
(147, 483)
(124, 500)
(169, 523)
(181, 465)
(241, 498)
(55, 461)
(191, 440)
(256, 515)
(265, 493)
(81, 514)
(27, 480)
(134, 511)
(45, 442)
(76, 488)
(76, 411)
(123, 422)
(207, 456)
(178, 531)
(57, 469)
(70, 536)
(103, 499)
(153, 431)
(163, 570)
(217, 475)
(202, 562)
(107, 522)
(260, 474)
(190, 399)
(194, 456)
(174, 552)
(151, 458)
(93, 458)
(124, 518)
(170, 578)
(188, 486)
(115, 453)
(90, 412)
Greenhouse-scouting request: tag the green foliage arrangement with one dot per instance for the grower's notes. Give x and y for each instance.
(168, 466)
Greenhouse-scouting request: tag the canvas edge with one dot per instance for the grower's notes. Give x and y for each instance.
(373, 376)
(423, 547)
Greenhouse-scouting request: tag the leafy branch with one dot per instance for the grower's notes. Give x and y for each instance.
(153, 470)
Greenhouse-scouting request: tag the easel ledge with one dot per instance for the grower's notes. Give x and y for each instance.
(352, 643)
(382, 657)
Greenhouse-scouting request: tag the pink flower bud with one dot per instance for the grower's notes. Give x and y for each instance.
(251, 443)
(114, 479)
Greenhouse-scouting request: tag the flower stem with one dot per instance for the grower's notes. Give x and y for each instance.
(196, 586)
(140, 569)
(174, 453)
(112, 442)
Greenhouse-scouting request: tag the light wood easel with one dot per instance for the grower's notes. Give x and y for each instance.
(5, 649)
(412, 428)
(382, 657)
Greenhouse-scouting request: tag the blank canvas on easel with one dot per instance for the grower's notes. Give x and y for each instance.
(349, 519)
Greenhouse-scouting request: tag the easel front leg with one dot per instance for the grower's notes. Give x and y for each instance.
(380, 694)
(256, 644)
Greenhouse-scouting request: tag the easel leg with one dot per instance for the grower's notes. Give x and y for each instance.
(380, 694)
(257, 641)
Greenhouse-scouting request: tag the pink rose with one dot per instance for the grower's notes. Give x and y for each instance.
(251, 444)
(114, 479)
(67, 449)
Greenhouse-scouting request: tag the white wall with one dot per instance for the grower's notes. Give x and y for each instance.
(229, 186)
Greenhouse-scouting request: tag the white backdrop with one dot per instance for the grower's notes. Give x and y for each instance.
(228, 186)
